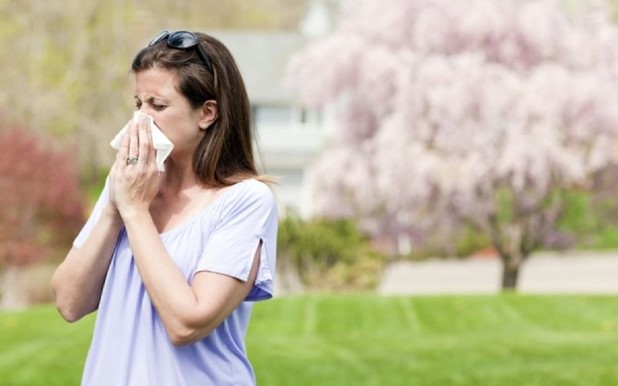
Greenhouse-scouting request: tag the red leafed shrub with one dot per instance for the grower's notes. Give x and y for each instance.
(41, 204)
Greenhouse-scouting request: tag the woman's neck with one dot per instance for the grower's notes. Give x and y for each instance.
(178, 176)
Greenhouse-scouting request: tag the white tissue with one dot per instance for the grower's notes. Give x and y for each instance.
(163, 146)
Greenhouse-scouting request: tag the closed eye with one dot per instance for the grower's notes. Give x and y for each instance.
(154, 104)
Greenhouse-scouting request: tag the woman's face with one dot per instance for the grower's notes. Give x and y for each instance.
(156, 94)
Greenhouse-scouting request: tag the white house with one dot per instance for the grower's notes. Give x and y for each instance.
(289, 136)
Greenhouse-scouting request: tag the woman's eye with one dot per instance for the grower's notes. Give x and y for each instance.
(138, 105)
(158, 107)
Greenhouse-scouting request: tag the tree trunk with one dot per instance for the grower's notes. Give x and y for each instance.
(510, 245)
(510, 274)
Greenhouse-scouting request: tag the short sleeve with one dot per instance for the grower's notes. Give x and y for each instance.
(247, 217)
(94, 217)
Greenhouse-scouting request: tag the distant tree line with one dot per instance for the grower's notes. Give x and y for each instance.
(64, 64)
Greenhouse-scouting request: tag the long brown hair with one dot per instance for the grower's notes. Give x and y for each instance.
(224, 155)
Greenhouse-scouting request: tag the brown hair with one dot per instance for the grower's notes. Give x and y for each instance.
(224, 155)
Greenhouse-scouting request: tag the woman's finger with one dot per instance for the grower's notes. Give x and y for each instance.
(111, 180)
(145, 141)
(123, 152)
(133, 152)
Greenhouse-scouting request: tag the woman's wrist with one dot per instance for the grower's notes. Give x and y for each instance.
(111, 212)
(133, 213)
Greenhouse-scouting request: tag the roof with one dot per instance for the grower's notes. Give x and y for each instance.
(262, 58)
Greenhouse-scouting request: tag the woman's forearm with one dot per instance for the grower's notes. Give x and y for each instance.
(169, 291)
(78, 281)
(188, 312)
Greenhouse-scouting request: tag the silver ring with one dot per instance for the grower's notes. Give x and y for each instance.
(132, 160)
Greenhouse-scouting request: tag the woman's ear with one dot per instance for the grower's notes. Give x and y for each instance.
(210, 112)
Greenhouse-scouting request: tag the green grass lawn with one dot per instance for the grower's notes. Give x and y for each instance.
(337, 340)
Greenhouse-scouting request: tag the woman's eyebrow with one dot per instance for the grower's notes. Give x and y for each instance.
(150, 99)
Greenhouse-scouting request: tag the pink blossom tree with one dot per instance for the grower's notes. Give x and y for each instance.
(477, 112)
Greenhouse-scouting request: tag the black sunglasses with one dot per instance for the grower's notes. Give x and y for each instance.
(183, 40)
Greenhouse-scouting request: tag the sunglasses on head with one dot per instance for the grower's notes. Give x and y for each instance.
(183, 40)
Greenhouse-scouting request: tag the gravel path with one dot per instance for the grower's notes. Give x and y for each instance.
(572, 272)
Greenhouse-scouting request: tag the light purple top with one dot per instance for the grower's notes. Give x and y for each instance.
(130, 345)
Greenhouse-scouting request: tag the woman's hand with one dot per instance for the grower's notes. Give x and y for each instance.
(134, 177)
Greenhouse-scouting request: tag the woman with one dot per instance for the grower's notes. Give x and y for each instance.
(173, 260)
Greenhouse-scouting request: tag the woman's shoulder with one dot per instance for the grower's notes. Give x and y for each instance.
(252, 190)
(254, 186)
(248, 193)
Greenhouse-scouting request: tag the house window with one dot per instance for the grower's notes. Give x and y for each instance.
(311, 117)
(272, 115)
(281, 115)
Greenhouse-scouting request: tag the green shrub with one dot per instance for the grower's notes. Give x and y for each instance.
(328, 254)
(591, 219)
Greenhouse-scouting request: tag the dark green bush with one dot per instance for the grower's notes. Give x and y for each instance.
(328, 254)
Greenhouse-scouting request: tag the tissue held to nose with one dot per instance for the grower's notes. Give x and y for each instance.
(162, 145)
